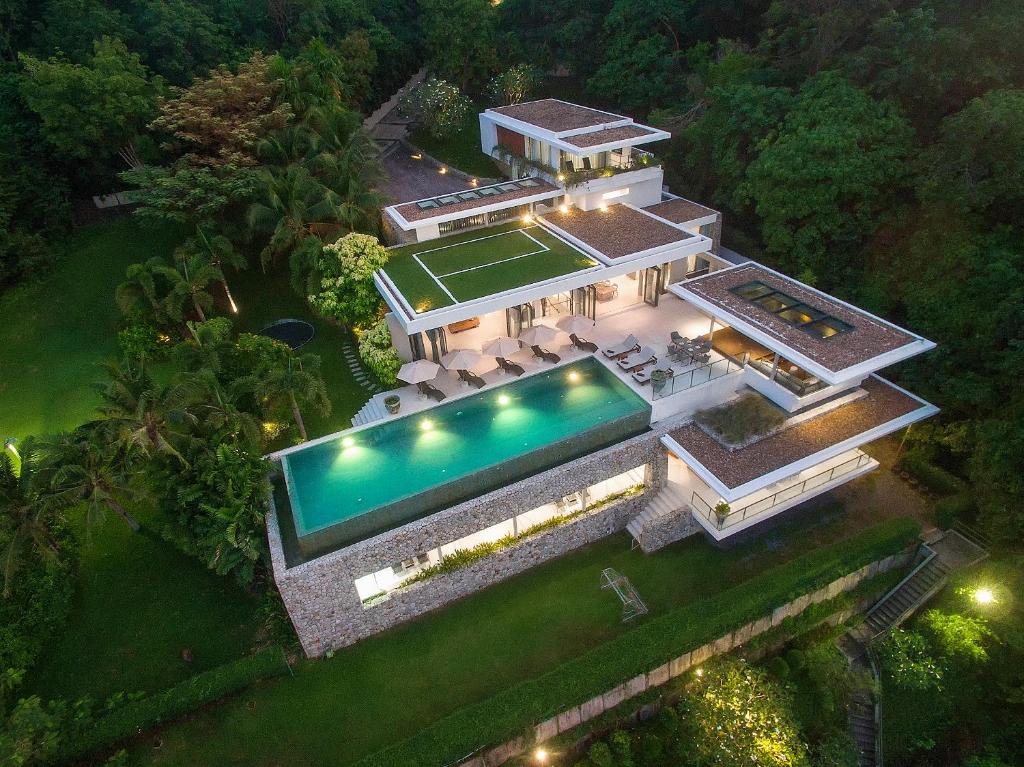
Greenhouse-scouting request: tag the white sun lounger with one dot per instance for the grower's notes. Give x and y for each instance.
(631, 344)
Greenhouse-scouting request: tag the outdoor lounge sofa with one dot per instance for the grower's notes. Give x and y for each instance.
(631, 344)
(472, 379)
(639, 359)
(510, 367)
(431, 391)
(582, 344)
(545, 355)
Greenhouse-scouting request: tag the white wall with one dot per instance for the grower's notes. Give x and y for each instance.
(488, 134)
(786, 399)
(644, 189)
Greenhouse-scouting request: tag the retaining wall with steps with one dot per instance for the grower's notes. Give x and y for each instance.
(666, 519)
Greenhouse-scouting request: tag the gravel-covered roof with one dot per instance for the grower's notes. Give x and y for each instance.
(882, 404)
(412, 212)
(555, 115)
(617, 231)
(594, 138)
(868, 338)
(681, 211)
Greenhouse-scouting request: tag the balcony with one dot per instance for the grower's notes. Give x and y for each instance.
(575, 168)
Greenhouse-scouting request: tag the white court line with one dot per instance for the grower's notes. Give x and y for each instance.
(423, 266)
(495, 263)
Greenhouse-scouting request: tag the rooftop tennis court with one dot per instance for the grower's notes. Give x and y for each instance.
(451, 270)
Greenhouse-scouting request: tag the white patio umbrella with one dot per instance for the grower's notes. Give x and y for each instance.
(576, 323)
(418, 370)
(502, 346)
(538, 334)
(461, 359)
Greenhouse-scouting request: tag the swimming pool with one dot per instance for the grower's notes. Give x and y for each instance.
(366, 481)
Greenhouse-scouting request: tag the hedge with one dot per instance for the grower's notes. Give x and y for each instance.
(511, 712)
(953, 509)
(934, 478)
(137, 716)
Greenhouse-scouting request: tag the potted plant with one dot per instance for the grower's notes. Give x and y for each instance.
(722, 511)
(392, 402)
(658, 380)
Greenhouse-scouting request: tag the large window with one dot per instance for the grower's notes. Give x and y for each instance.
(791, 310)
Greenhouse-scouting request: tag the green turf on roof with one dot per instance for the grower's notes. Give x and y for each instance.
(480, 263)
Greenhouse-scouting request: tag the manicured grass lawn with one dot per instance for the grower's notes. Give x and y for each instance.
(54, 334)
(138, 603)
(387, 688)
(480, 263)
(461, 150)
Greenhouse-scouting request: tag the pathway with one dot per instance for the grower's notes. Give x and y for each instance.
(368, 382)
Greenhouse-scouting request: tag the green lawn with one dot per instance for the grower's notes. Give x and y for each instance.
(138, 603)
(480, 263)
(388, 687)
(460, 150)
(55, 334)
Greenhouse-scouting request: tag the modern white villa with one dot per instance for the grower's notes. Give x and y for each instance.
(582, 361)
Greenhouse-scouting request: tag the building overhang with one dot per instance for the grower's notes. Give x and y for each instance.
(777, 474)
(403, 223)
(557, 138)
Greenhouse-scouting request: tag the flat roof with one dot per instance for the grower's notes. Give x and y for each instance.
(608, 135)
(467, 266)
(476, 197)
(557, 116)
(884, 404)
(815, 330)
(618, 231)
(680, 211)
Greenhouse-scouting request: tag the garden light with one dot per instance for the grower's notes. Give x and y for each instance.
(527, 218)
(563, 208)
(540, 756)
(984, 596)
(442, 170)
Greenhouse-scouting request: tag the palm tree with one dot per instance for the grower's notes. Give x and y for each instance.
(221, 252)
(293, 204)
(221, 406)
(189, 281)
(85, 469)
(139, 289)
(26, 514)
(298, 381)
(141, 411)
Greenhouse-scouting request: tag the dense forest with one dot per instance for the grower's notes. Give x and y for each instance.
(872, 148)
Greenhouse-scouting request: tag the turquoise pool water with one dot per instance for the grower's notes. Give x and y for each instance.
(367, 481)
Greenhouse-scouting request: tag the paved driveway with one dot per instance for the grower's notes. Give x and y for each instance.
(410, 179)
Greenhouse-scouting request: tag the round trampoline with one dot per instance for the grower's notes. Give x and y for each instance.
(295, 333)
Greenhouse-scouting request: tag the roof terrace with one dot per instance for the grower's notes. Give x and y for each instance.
(616, 231)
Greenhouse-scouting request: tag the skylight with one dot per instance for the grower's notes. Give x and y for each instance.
(791, 310)
(477, 194)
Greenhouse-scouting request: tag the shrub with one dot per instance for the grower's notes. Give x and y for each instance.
(622, 748)
(514, 84)
(936, 479)
(953, 509)
(138, 715)
(749, 416)
(651, 749)
(437, 106)
(795, 659)
(378, 353)
(346, 290)
(778, 667)
(600, 755)
(139, 341)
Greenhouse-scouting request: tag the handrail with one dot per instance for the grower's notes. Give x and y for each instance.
(738, 515)
(695, 377)
(877, 698)
(929, 553)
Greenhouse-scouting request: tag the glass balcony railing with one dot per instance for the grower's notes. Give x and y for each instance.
(801, 387)
(695, 377)
(735, 516)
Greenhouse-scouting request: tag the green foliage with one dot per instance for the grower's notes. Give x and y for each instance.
(461, 40)
(645, 647)
(201, 689)
(748, 416)
(378, 353)
(935, 478)
(515, 84)
(830, 173)
(437, 107)
(739, 716)
(905, 658)
(90, 111)
(186, 194)
(139, 341)
(35, 732)
(347, 293)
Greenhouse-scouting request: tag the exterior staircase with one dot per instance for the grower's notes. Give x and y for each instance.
(909, 594)
(660, 510)
(372, 411)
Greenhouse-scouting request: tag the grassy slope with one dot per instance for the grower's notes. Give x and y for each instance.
(54, 334)
(461, 150)
(386, 688)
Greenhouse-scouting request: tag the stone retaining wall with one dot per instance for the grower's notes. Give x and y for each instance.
(321, 597)
(587, 710)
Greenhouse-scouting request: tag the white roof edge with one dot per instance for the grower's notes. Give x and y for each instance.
(926, 410)
(556, 137)
(406, 225)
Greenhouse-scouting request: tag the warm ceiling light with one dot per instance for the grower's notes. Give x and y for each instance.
(527, 218)
(563, 208)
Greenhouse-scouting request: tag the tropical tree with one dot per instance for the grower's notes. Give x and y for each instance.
(188, 282)
(83, 468)
(461, 39)
(142, 413)
(26, 520)
(437, 106)
(346, 291)
(295, 383)
(514, 84)
(140, 291)
(292, 203)
(223, 406)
